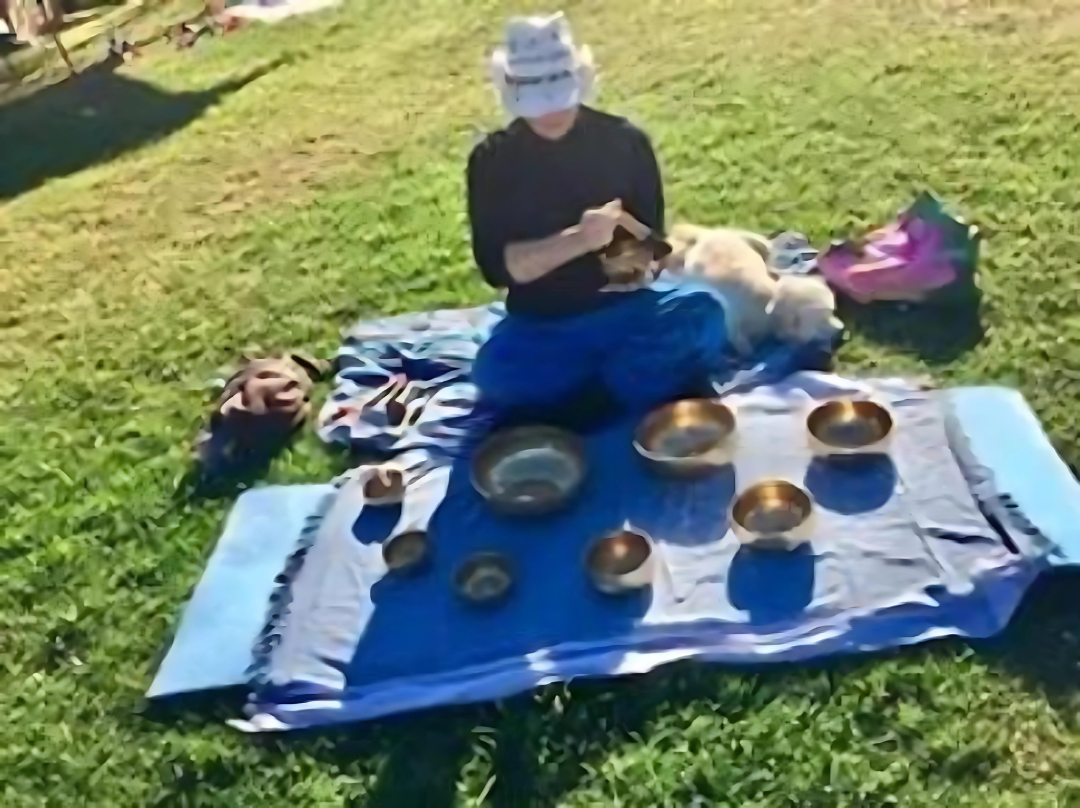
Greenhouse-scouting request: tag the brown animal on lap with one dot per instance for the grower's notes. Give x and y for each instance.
(631, 263)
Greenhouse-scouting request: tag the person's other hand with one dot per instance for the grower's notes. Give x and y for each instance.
(598, 225)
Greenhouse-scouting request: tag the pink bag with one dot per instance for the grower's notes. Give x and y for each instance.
(925, 250)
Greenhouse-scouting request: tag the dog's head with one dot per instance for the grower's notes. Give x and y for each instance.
(802, 311)
(682, 239)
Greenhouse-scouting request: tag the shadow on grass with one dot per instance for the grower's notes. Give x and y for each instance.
(938, 332)
(539, 749)
(1042, 642)
(419, 757)
(89, 118)
(540, 744)
(199, 484)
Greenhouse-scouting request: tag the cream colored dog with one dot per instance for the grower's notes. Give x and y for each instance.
(802, 310)
(756, 303)
(733, 263)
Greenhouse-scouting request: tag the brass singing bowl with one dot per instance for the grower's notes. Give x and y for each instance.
(849, 427)
(687, 437)
(406, 552)
(384, 487)
(620, 562)
(484, 578)
(529, 470)
(772, 512)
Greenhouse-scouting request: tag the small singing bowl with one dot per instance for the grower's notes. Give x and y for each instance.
(773, 513)
(620, 562)
(406, 552)
(529, 470)
(484, 578)
(848, 427)
(687, 437)
(385, 487)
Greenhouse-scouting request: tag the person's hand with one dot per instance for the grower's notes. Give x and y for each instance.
(598, 225)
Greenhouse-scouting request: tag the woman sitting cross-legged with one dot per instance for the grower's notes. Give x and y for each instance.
(546, 195)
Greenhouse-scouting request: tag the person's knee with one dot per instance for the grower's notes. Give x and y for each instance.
(698, 319)
(514, 374)
(684, 323)
(698, 309)
(673, 349)
(496, 376)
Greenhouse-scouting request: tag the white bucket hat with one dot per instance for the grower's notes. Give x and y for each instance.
(539, 70)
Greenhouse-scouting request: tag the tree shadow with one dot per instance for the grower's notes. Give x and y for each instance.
(938, 332)
(540, 744)
(419, 757)
(1041, 644)
(91, 117)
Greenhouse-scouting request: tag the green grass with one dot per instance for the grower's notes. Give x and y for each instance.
(330, 186)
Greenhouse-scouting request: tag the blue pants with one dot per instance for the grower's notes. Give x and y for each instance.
(645, 348)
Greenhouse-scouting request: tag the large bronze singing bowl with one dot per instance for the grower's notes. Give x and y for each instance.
(484, 579)
(620, 562)
(529, 470)
(687, 437)
(849, 427)
(772, 513)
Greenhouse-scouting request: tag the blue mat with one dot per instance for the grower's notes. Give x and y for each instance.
(902, 556)
(212, 646)
(1006, 436)
(219, 626)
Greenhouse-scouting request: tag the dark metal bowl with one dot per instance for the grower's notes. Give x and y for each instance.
(529, 470)
(687, 437)
(772, 512)
(849, 427)
(484, 578)
(406, 552)
(620, 562)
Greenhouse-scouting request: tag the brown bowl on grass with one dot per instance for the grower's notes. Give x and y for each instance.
(620, 562)
(687, 438)
(849, 427)
(773, 513)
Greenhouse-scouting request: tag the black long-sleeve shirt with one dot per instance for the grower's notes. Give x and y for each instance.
(523, 187)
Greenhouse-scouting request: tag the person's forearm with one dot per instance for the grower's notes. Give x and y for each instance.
(527, 261)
